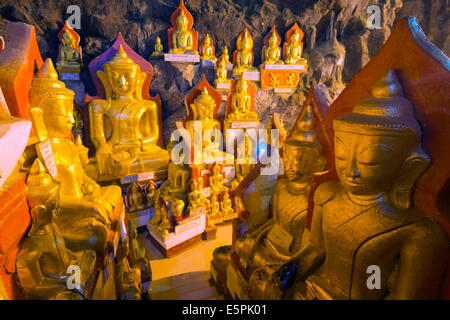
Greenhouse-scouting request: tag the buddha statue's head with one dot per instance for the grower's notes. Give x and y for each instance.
(225, 51)
(158, 41)
(242, 85)
(67, 39)
(42, 196)
(216, 169)
(122, 77)
(135, 190)
(378, 145)
(182, 21)
(204, 105)
(51, 104)
(208, 41)
(246, 41)
(226, 196)
(273, 40)
(302, 153)
(295, 37)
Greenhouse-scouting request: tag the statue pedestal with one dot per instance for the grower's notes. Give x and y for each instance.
(181, 58)
(281, 77)
(186, 233)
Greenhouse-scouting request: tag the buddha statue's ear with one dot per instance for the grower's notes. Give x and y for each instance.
(37, 115)
(139, 84)
(413, 167)
(37, 215)
(106, 84)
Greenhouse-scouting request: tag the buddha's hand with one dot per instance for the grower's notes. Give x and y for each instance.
(105, 162)
(281, 280)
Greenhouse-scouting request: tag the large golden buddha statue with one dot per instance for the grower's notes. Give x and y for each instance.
(281, 236)
(244, 55)
(125, 128)
(203, 109)
(43, 257)
(294, 49)
(182, 37)
(366, 220)
(85, 207)
(240, 103)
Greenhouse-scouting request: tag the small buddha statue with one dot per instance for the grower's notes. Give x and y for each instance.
(222, 72)
(165, 225)
(176, 185)
(225, 55)
(272, 53)
(150, 189)
(215, 206)
(240, 103)
(125, 128)
(244, 57)
(128, 279)
(368, 218)
(85, 207)
(68, 55)
(226, 205)
(281, 236)
(159, 49)
(43, 258)
(294, 48)
(182, 37)
(139, 255)
(216, 180)
(203, 109)
(207, 49)
(194, 195)
(273, 79)
(135, 197)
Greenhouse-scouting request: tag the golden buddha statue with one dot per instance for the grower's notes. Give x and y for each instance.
(240, 103)
(85, 206)
(182, 37)
(272, 53)
(139, 255)
(226, 206)
(203, 109)
(43, 258)
(244, 57)
(368, 218)
(150, 189)
(216, 180)
(68, 56)
(125, 129)
(281, 236)
(215, 207)
(225, 55)
(294, 49)
(165, 225)
(194, 195)
(128, 279)
(159, 49)
(135, 197)
(222, 72)
(207, 49)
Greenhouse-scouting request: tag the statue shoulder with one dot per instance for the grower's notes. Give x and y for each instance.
(326, 192)
(427, 231)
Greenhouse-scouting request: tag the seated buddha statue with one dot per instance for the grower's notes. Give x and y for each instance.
(135, 197)
(208, 49)
(226, 205)
(139, 255)
(159, 50)
(294, 49)
(240, 103)
(225, 55)
(150, 189)
(222, 72)
(203, 109)
(368, 218)
(216, 181)
(85, 207)
(272, 53)
(68, 55)
(124, 128)
(128, 279)
(194, 196)
(182, 37)
(244, 56)
(281, 236)
(43, 258)
(215, 211)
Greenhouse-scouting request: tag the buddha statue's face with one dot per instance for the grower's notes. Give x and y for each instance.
(299, 162)
(67, 39)
(242, 86)
(368, 164)
(122, 79)
(194, 185)
(295, 37)
(58, 117)
(216, 170)
(273, 40)
(204, 109)
(182, 21)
